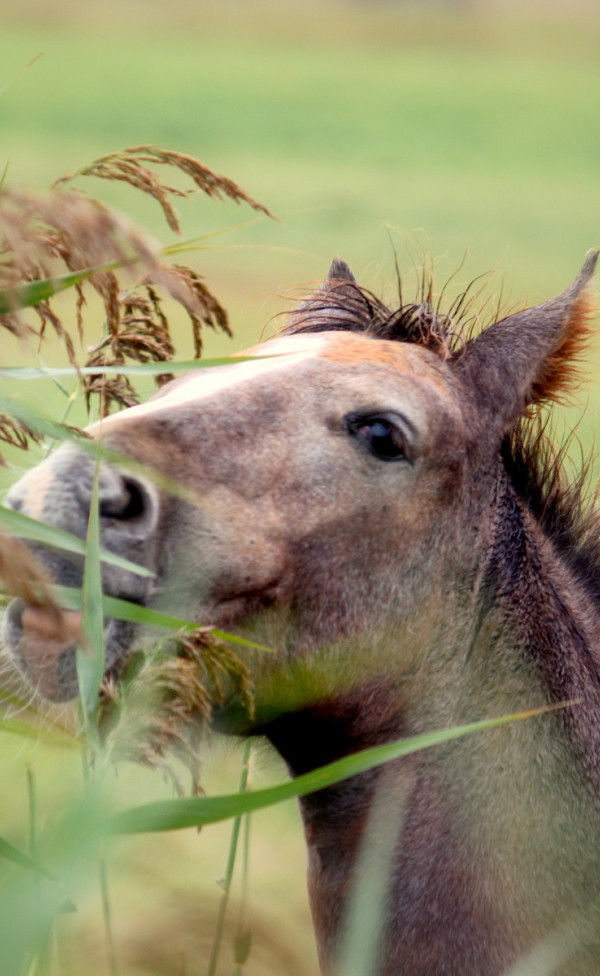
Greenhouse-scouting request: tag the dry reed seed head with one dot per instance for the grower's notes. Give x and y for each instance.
(163, 336)
(139, 329)
(144, 333)
(11, 321)
(157, 719)
(80, 230)
(141, 334)
(65, 228)
(16, 434)
(161, 706)
(106, 284)
(115, 391)
(39, 232)
(202, 306)
(160, 316)
(142, 179)
(57, 246)
(128, 166)
(46, 315)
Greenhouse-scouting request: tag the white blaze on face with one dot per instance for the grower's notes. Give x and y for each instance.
(275, 356)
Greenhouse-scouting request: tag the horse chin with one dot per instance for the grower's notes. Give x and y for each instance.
(43, 645)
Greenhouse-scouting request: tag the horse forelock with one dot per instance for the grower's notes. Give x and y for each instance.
(346, 306)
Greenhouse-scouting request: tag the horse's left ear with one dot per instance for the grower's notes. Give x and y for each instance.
(333, 304)
(528, 357)
(339, 271)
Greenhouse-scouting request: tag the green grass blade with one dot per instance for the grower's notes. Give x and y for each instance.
(198, 811)
(89, 445)
(11, 699)
(43, 425)
(18, 74)
(231, 857)
(241, 641)
(146, 616)
(50, 736)
(127, 369)
(361, 944)
(33, 292)
(71, 599)
(23, 527)
(19, 857)
(90, 657)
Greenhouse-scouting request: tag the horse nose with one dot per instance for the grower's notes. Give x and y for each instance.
(59, 491)
(127, 503)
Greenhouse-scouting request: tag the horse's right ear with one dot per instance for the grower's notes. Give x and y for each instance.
(528, 357)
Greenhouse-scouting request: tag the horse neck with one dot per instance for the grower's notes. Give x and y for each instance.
(517, 631)
(479, 844)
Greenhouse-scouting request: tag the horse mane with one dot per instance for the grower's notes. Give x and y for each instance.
(559, 500)
(538, 470)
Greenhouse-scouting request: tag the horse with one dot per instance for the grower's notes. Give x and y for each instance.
(375, 496)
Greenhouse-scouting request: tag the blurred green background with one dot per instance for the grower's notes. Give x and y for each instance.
(465, 134)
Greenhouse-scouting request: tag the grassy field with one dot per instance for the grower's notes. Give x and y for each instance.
(477, 135)
(462, 137)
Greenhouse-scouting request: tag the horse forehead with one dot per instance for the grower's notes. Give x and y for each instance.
(352, 349)
(348, 348)
(277, 359)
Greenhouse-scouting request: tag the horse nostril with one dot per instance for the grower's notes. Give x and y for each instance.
(136, 504)
(126, 499)
(127, 503)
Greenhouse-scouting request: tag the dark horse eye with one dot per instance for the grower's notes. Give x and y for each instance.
(381, 435)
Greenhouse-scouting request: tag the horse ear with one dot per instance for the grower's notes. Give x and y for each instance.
(339, 271)
(528, 357)
(331, 306)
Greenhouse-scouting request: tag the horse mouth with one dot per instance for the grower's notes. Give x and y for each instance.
(43, 644)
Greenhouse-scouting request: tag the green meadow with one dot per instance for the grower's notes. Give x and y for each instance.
(362, 127)
(463, 139)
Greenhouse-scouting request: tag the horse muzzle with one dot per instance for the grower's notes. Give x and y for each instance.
(58, 492)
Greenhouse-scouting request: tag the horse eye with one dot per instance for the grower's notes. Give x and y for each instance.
(380, 435)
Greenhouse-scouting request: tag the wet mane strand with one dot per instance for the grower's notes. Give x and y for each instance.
(536, 468)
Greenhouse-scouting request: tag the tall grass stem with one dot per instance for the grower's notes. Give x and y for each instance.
(226, 884)
(107, 915)
(243, 937)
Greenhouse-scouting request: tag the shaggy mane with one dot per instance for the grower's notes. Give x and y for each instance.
(561, 503)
